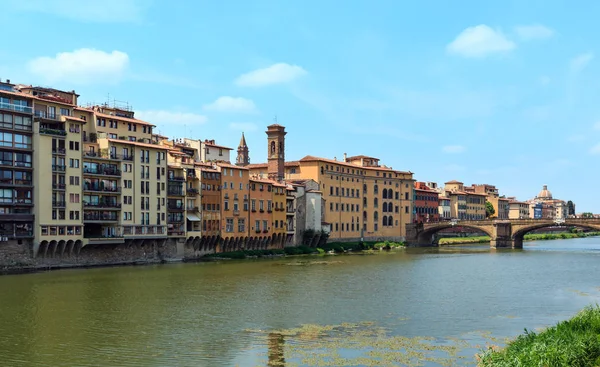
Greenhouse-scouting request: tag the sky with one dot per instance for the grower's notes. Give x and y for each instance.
(497, 92)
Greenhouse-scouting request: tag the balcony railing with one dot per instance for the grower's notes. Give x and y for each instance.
(59, 204)
(59, 186)
(59, 151)
(57, 132)
(100, 217)
(102, 171)
(59, 168)
(191, 191)
(15, 107)
(102, 205)
(236, 212)
(101, 188)
(175, 206)
(176, 178)
(47, 115)
(175, 192)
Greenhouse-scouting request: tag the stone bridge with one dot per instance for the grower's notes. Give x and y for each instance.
(503, 233)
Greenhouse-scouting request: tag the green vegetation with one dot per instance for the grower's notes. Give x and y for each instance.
(528, 237)
(461, 240)
(489, 209)
(587, 215)
(340, 247)
(244, 254)
(571, 343)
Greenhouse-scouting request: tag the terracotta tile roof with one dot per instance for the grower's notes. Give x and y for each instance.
(453, 182)
(153, 146)
(125, 119)
(71, 118)
(427, 190)
(310, 158)
(263, 181)
(355, 157)
(177, 152)
(266, 165)
(229, 165)
(217, 146)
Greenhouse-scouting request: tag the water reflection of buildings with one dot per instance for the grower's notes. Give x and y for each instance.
(276, 343)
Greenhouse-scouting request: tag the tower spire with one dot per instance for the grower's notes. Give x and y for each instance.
(243, 156)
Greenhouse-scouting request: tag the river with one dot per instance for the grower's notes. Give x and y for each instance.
(436, 305)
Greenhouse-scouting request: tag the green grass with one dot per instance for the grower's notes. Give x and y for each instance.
(527, 237)
(571, 343)
(300, 250)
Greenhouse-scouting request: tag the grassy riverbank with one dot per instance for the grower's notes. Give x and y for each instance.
(527, 237)
(336, 247)
(571, 343)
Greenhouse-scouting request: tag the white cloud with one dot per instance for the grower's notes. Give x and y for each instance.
(453, 149)
(165, 118)
(274, 74)
(231, 104)
(97, 11)
(580, 62)
(480, 41)
(243, 126)
(595, 149)
(533, 32)
(545, 80)
(82, 66)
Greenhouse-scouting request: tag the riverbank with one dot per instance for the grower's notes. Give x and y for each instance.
(333, 247)
(527, 237)
(574, 342)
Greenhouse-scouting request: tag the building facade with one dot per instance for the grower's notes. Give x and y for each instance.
(426, 203)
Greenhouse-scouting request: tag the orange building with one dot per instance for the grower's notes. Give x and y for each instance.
(261, 209)
(234, 212)
(210, 191)
(279, 214)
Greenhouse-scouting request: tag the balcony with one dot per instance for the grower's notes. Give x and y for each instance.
(59, 204)
(176, 178)
(105, 240)
(54, 132)
(102, 205)
(45, 115)
(175, 192)
(10, 182)
(58, 168)
(110, 156)
(101, 188)
(61, 151)
(59, 186)
(102, 171)
(236, 213)
(15, 107)
(17, 217)
(100, 217)
(191, 191)
(16, 234)
(175, 207)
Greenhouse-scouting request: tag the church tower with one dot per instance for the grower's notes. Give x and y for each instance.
(243, 156)
(276, 154)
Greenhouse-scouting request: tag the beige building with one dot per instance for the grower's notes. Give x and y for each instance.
(518, 209)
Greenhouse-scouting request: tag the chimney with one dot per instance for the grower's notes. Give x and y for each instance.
(335, 159)
(345, 157)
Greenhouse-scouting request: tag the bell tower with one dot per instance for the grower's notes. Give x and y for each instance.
(243, 156)
(276, 154)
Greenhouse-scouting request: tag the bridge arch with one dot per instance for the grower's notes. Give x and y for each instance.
(520, 231)
(426, 236)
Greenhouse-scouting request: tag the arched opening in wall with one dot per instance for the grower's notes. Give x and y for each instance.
(69, 248)
(249, 243)
(51, 248)
(384, 221)
(78, 245)
(390, 194)
(226, 245)
(384, 194)
(375, 203)
(202, 243)
(272, 147)
(365, 215)
(375, 189)
(390, 221)
(375, 216)
(61, 247)
(42, 249)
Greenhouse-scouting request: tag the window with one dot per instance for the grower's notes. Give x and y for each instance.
(253, 205)
(73, 163)
(65, 112)
(73, 145)
(261, 205)
(241, 225)
(257, 225)
(74, 198)
(265, 225)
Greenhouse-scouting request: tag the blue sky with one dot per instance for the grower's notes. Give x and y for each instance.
(499, 92)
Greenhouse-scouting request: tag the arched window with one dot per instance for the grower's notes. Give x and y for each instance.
(390, 221)
(272, 147)
(397, 197)
(375, 216)
(375, 202)
(390, 194)
(365, 188)
(384, 194)
(376, 189)
(365, 215)
(384, 221)
(384, 207)
(365, 202)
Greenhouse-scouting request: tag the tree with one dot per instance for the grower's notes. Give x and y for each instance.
(587, 215)
(570, 208)
(489, 209)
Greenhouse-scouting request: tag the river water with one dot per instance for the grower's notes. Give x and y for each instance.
(430, 307)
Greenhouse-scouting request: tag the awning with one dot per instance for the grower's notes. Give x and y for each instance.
(193, 217)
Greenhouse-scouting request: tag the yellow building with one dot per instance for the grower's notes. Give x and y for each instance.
(361, 198)
(518, 209)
